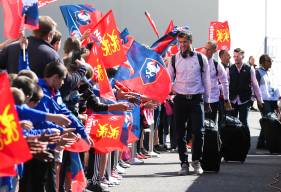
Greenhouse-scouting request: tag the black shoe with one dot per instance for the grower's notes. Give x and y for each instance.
(159, 148)
(85, 190)
(144, 151)
(253, 109)
(261, 146)
(97, 187)
(155, 151)
(173, 150)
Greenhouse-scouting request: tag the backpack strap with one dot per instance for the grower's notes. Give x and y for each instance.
(258, 76)
(174, 65)
(200, 59)
(216, 67)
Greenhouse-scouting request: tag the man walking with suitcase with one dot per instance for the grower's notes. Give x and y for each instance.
(190, 71)
(242, 79)
(219, 79)
(269, 92)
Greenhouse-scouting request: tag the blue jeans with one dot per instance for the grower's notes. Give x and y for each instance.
(189, 110)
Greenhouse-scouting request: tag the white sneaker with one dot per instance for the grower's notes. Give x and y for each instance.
(113, 180)
(120, 169)
(197, 167)
(184, 169)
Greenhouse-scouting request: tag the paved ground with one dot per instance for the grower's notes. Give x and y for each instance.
(259, 173)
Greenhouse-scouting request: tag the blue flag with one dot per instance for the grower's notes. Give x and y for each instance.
(150, 76)
(78, 179)
(136, 121)
(30, 11)
(162, 45)
(76, 17)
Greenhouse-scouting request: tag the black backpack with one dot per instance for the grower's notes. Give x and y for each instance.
(216, 67)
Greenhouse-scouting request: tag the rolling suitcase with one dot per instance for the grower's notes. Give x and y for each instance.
(211, 157)
(235, 141)
(272, 131)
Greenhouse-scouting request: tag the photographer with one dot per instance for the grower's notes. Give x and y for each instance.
(77, 69)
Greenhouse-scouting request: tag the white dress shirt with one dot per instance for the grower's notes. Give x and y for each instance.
(269, 90)
(189, 78)
(218, 81)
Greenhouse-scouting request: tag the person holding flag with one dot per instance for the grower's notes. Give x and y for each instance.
(191, 75)
(40, 51)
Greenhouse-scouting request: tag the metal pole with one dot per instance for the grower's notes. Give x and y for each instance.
(265, 27)
(108, 168)
(151, 153)
(134, 160)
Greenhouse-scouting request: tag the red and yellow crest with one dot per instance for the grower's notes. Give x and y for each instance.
(106, 130)
(13, 147)
(219, 31)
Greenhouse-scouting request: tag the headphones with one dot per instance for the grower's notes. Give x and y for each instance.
(187, 53)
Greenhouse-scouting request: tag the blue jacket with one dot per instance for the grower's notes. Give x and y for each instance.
(27, 113)
(32, 132)
(53, 104)
(23, 64)
(38, 119)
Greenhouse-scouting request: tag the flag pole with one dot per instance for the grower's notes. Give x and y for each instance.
(23, 34)
(23, 50)
(152, 23)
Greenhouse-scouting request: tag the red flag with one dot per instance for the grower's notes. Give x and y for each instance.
(152, 23)
(200, 50)
(131, 136)
(42, 3)
(12, 10)
(103, 82)
(107, 34)
(170, 27)
(76, 173)
(95, 18)
(106, 131)
(80, 146)
(9, 171)
(219, 31)
(172, 50)
(13, 147)
(17, 13)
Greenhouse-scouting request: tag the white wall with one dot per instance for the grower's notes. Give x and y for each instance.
(248, 28)
(246, 23)
(130, 13)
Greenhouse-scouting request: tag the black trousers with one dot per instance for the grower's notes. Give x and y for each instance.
(189, 109)
(268, 107)
(242, 111)
(38, 176)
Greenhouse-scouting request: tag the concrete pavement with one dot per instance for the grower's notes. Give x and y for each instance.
(259, 173)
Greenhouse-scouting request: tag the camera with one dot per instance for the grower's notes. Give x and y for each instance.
(70, 61)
